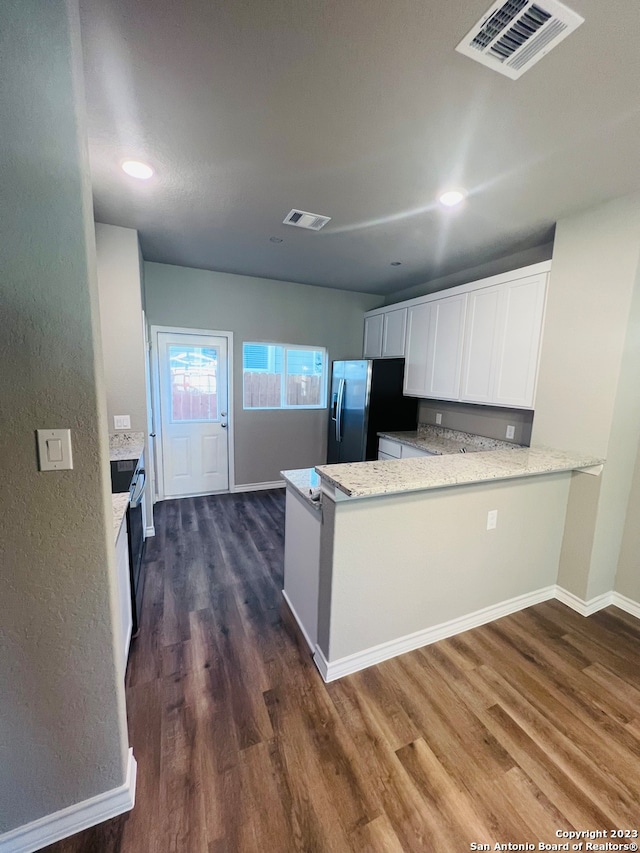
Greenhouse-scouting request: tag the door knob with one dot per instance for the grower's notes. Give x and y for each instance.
(224, 426)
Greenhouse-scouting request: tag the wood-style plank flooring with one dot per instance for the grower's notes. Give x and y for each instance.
(506, 733)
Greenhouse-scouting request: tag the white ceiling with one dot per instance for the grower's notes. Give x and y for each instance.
(356, 109)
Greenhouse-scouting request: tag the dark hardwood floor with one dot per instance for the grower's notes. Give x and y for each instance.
(506, 733)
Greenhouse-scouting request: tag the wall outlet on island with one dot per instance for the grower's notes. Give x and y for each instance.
(122, 421)
(511, 431)
(438, 417)
(492, 519)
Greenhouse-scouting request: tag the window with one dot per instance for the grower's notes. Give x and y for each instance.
(194, 380)
(283, 376)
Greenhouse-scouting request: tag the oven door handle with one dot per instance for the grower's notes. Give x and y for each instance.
(138, 491)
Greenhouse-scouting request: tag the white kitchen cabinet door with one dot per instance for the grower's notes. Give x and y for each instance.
(518, 342)
(390, 449)
(502, 343)
(480, 350)
(444, 350)
(409, 452)
(393, 333)
(123, 575)
(373, 327)
(417, 349)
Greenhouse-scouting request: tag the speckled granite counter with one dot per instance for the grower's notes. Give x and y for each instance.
(126, 445)
(119, 503)
(305, 481)
(440, 440)
(368, 479)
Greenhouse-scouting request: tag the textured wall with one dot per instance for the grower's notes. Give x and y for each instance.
(256, 309)
(119, 286)
(587, 396)
(628, 576)
(63, 735)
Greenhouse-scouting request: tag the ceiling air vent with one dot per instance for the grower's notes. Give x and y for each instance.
(302, 219)
(513, 36)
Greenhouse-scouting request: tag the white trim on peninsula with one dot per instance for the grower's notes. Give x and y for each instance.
(309, 641)
(332, 670)
(257, 487)
(54, 827)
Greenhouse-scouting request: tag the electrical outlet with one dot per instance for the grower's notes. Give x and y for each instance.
(511, 431)
(492, 519)
(438, 417)
(122, 421)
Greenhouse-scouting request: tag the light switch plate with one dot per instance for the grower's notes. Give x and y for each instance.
(511, 431)
(122, 421)
(54, 449)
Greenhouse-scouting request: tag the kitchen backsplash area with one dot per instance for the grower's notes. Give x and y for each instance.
(126, 440)
(488, 421)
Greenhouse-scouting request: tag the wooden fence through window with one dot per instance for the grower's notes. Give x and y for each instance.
(264, 390)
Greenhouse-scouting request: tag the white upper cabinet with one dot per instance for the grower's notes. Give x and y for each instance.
(519, 337)
(434, 348)
(415, 366)
(478, 344)
(384, 333)
(373, 336)
(504, 329)
(393, 334)
(444, 355)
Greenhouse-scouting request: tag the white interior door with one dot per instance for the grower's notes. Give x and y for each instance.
(193, 389)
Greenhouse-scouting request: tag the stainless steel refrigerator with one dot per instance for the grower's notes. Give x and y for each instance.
(366, 398)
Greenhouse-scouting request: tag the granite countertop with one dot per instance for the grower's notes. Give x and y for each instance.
(440, 440)
(306, 482)
(368, 479)
(126, 445)
(119, 503)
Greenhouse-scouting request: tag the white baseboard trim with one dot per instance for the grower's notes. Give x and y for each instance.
(626, 604)
(149, 531)
(54, 827)
(584, 608)
(311, 643)
(331, 670)
(257, 487)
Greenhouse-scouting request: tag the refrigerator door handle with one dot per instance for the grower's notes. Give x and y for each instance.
(339, 407)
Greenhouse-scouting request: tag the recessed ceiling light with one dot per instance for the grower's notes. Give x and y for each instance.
(451, 198)
(137, 169)
(396, 263)
(275, 239)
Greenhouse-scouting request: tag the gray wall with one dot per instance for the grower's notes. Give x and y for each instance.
(256, 309)
(588, 382)
(120, 291)
(534, 255)
(489, 421)
(398, 564)
(628, 575)
(63, 737)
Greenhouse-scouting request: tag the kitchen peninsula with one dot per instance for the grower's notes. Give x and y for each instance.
(413, 550)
